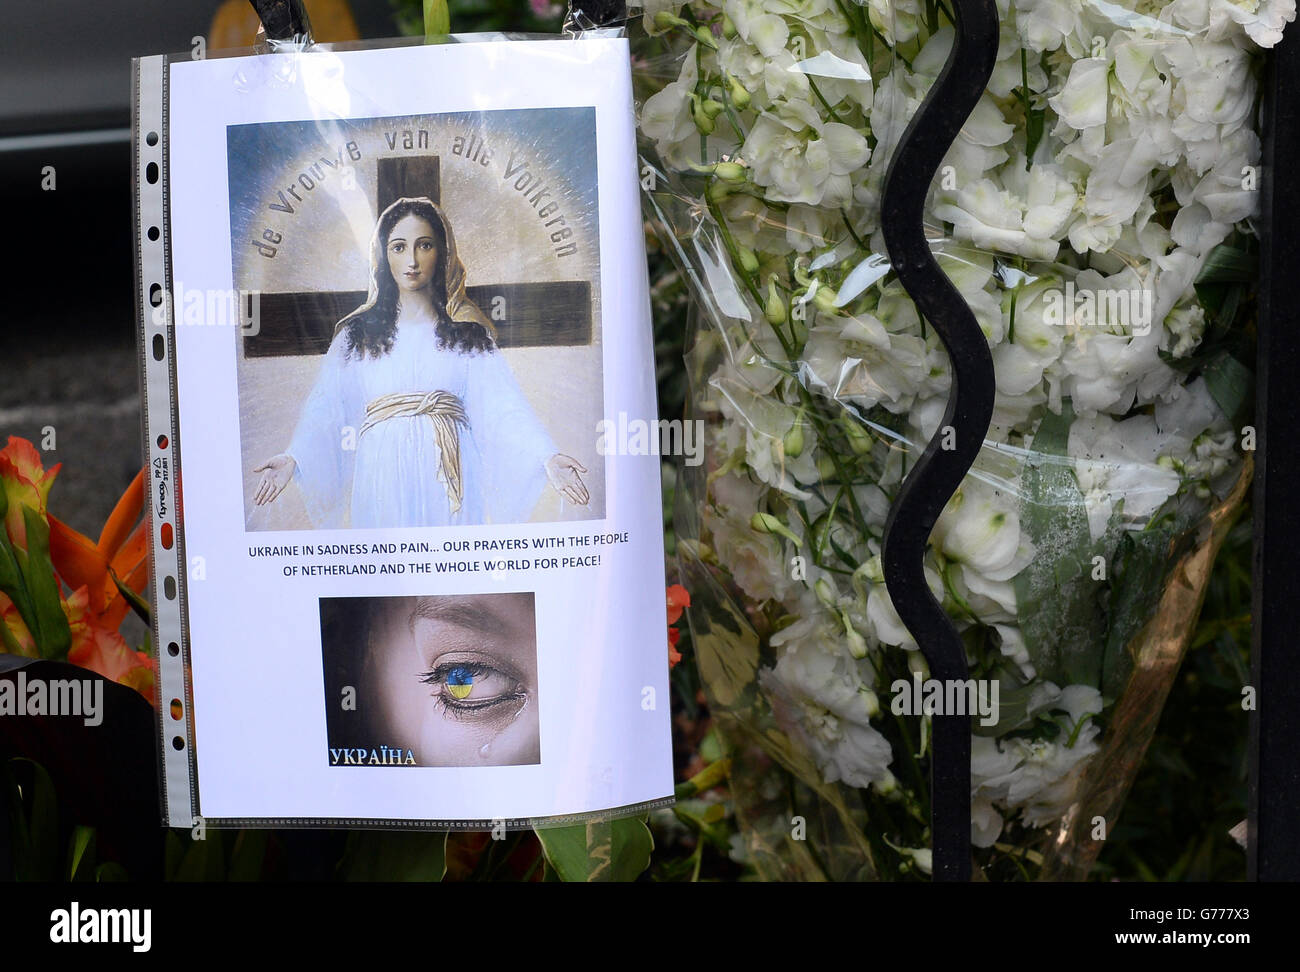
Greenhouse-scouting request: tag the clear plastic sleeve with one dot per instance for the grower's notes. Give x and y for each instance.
(401, 581)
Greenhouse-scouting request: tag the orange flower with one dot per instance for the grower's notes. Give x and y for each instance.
(26, 483)
(96, 607)
(674, 656)
(678, 599)
(103, 650)
(121, 551)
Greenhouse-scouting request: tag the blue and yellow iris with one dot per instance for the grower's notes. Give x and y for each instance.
(460, 682)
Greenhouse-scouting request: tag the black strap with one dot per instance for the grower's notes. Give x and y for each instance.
(283, 20)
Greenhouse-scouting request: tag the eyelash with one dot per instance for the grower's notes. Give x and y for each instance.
(466, 710)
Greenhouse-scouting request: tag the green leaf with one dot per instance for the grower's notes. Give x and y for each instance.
(138, 604)
(203, 860)
(437, 20)
(1228, 264)
(83, 840)
(399, 855)
(1013, 709)
(602, 850)
(55, 638)
(10, 643)
(1136, 575)
(1232, 386)
(1056, 597)
(14, 586)
(111, 872)
(249, 853)
(36, 843)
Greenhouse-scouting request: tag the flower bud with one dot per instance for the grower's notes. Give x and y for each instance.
(826, 593)
(705, 37)
(917, 664)
(697, 550)
(728, 28)
(824, 300)
(870, 698)
(767, 523)
(713, 108)
(748, 259)
(718, 190)
(792, 444)
(799, 330)
(739, 94)
(860, 440)
(702, 119)
(775, 309)
(923, 857)
(729, 171)
(858, 649)
(826, 466)
(872, 570)
(888, 787)
(800, 270)
(665, 19)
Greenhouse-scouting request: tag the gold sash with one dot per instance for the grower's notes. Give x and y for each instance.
(445, 410)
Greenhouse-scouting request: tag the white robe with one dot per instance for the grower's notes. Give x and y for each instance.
(391, 478)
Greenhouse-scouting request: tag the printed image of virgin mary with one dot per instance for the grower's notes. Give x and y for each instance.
(441, 433)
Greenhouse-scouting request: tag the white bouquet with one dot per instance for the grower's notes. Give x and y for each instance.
(1094, 213)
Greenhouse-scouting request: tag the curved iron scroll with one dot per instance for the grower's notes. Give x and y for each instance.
(939, 472)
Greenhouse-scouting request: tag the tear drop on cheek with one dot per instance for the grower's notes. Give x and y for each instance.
(485, 750)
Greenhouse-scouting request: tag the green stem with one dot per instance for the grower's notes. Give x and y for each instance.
(825, 104)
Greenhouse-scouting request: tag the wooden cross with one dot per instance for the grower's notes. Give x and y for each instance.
(536, 314)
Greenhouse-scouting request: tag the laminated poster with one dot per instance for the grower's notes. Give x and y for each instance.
(400, 410)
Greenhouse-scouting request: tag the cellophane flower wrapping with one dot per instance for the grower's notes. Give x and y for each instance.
(1095, 213)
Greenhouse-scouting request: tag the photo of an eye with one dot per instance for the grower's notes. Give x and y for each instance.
(449, 679)
(473, 686)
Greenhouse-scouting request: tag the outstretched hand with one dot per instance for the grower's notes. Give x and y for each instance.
(563, 472)
(276, 473)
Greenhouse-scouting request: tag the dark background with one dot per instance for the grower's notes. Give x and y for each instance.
(67, 344)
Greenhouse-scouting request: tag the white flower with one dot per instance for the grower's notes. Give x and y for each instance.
(1020, 361)
(756, 560)
(1082, 102)
(980, 527)
(766, 31)
(994, 219)
(1045, 25)
(851, 362)
(1109, 362)
(666, 115)
(884, 621)
(1035, 776)
(824, 706)
(797, 168)
(1185, 324)
(1116, 462)
(1263, 20)
(898, 21)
